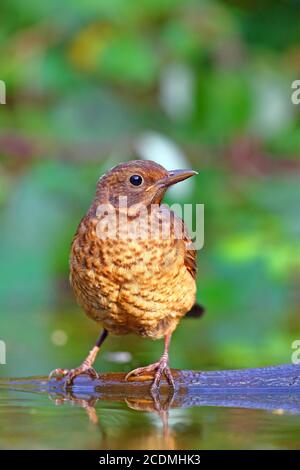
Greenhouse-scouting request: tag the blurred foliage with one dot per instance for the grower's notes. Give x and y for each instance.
(87, 81)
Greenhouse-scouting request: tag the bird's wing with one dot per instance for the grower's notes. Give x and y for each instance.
(190, 259)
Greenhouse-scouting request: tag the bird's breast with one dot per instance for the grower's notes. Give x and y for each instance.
(131, 284)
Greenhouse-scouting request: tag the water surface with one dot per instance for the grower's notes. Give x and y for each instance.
(31, 419)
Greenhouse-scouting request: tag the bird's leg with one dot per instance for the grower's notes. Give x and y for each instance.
(160, 367)
(85, 368)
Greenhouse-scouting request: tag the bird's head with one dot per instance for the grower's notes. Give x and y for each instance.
(140, 181)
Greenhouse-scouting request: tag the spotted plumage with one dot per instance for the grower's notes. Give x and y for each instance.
(140, 277)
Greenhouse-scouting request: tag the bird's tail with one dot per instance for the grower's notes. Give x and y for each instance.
(196, 312)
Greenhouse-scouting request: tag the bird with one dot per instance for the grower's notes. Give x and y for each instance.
(133, 264)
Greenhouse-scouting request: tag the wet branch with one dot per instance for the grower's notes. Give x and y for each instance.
(273, 388)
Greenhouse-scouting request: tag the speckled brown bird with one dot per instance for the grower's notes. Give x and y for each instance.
(129, 283)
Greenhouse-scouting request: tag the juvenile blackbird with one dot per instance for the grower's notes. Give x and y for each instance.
(139, 277)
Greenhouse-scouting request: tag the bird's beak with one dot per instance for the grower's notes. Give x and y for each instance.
(175, 176)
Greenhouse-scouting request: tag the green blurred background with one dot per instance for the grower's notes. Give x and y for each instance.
(201, 84)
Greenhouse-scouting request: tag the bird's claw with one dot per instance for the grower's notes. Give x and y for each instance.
(161, 367)
(58, 373)
(82, 370)
(70, 375)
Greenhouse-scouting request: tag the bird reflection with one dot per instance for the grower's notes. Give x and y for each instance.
(157, 405)
(88, 404)
(138, 398)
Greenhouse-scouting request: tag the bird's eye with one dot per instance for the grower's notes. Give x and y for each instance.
(136, 180)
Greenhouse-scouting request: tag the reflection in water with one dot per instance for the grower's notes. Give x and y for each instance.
(118, 415)
(158, 405)
(88, 405)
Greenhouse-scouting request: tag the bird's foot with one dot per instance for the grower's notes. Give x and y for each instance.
(160, 368)
(70, 374)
